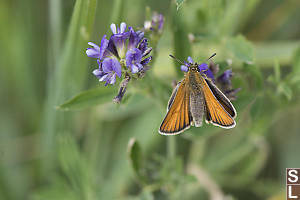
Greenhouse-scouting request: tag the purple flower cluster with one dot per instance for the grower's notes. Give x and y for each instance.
(126, 50)
(211, 70)
(224, 82)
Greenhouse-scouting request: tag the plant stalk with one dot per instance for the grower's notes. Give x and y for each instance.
(171, 147)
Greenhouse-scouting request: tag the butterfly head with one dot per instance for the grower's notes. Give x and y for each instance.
(191, 66)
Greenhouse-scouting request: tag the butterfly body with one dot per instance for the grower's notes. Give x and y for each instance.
(194, 98)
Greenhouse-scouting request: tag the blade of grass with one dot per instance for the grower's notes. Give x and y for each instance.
(117, 13)
(68, 74)
(55, 31)
(180, 37)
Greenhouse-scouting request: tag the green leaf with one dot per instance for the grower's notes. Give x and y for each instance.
(257, 107)
(58, 188)
(244, 99)
(255, 73)
(179, 3)
(135, 156)
(73, 164)
(146, 195)
(284, 89)
(241, 48)
(89, 98)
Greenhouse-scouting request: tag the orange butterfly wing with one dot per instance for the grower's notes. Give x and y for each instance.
(178, 117)
(216, 114)
(222, 98)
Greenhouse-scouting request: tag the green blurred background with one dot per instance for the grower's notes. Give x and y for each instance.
(83, 153)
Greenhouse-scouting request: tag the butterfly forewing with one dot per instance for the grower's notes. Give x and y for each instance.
(216, 113)
(178, 117)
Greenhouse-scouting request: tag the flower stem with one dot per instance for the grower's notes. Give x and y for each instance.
(171, 147)
(122, 90)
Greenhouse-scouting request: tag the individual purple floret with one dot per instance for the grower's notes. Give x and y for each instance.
(109, 68)
(96, 51)
(133, 60)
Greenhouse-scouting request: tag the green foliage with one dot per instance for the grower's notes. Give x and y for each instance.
(254, 72)
(63, 79)
(179, 3)
(241, 49)
(180, 36)
(257, 107)
(89, 98)
(135, 157)
(48, 151)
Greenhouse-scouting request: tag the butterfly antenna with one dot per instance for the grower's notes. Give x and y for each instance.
(179, 61)
(211, 56)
